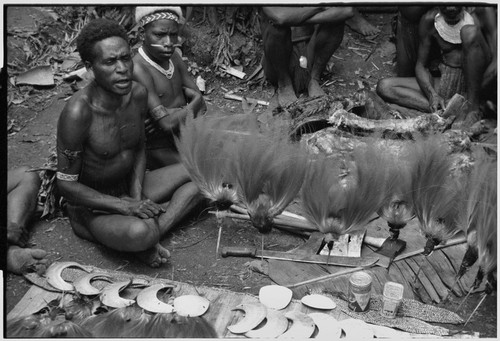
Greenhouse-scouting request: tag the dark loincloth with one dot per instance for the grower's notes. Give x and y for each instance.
(300, 38)
(452, 82)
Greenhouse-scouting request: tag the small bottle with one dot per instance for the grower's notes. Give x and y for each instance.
(360, 286)
(393, 295)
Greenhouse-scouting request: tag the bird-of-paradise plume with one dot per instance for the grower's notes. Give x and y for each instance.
(475, 183)
(434, 192)
(206, 147)
(486, 227)
(338, 206)
(269, 174)
(397, 207)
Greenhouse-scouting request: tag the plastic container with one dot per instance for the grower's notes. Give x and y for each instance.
(360, 287)
(393, 295)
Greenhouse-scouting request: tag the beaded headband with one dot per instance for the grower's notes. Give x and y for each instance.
(158, 16)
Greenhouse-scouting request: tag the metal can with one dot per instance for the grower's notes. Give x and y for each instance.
(360, 286)
(393, 295)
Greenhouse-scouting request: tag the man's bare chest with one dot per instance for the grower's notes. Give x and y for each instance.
(109, 136)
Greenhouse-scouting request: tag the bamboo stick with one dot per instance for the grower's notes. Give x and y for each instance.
(278, 221)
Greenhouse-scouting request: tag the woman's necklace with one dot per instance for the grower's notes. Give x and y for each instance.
(168, 73)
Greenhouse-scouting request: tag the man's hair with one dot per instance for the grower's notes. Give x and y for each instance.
(95, 31)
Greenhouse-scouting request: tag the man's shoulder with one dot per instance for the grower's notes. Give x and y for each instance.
(77, 107)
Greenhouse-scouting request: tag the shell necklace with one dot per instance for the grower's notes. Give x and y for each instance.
(168, 73)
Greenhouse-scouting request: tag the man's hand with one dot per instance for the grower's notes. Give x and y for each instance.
(436, 102)
(143, 209)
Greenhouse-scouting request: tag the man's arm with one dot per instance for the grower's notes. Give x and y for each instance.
(488, 23)
(422, 73)
(194, 98)
(297, 16)
(71, 134)
(139, 170)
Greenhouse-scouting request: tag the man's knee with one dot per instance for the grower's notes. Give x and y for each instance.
(383, 87)
(469, 35)
(141, 235)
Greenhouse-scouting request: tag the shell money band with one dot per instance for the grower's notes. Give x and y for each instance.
(158, 16)
(67, 177)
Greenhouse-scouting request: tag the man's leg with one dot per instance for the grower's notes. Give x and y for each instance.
(475, 60)
(120, 233)
(174, 185)
(324, 42)
(404, 91)
(277, 51)
(22, 189)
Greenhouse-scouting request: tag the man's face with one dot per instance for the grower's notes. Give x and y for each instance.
(163, 32)
(451, 14)
(112, 65)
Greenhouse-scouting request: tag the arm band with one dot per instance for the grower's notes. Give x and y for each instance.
(67, 177)
(158, 112)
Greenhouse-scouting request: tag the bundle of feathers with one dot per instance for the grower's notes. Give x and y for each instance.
(337, 205)
(397, 207)
(486, 232)
(476, 186)
(434, 192)
(269, 173)
(207, 147)
(82, 318)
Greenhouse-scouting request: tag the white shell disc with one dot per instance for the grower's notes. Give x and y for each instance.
(191, 305)
(355, 329)
(318, 301)
(275, 296)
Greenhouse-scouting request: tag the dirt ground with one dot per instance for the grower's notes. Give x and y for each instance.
(357, 63)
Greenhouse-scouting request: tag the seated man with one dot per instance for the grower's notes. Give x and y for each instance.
(320, 28)
(172, 93)
(102, 160)
(468, 48)
(22, 191)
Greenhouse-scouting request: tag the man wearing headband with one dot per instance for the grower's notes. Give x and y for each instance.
(172, 93)
(101, 157)
(467, 42)
(298, 43)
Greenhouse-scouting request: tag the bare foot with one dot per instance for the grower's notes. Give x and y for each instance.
(154, 257)
(359, 24)
(314, 89)
(17, 235)
(286, 96)
(20, 261)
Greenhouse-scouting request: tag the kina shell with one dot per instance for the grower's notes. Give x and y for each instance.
(275, 296)
(318, 301)
(191, 305)
(355, 329)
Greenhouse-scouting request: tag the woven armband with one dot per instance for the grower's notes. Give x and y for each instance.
(66, 177)
(158, 112)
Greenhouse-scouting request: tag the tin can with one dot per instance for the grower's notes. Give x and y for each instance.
(393, 295)
(360, 286)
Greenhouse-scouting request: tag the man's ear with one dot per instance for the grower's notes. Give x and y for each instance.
(88, 65)
(141, 32)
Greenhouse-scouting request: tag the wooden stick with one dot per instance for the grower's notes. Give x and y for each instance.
(475, 309)
(329, 276)
(417, 252)
(292, 223)
(248, 99)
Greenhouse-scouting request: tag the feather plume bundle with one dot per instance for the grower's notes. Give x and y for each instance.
(397, 208)
(129, 321)
(434, 192)
(476, 183)
(206, 147)
(338, 206)
(176, 326)
(487, 232)
(269, 173)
